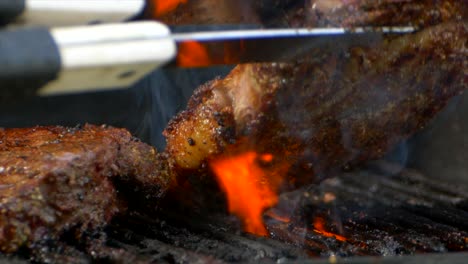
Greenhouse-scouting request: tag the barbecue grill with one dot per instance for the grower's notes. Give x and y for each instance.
(411, 206)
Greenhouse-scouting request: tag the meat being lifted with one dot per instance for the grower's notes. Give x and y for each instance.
(331, 109)
(56, 179)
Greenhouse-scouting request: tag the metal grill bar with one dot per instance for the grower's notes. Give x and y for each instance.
(382, 211)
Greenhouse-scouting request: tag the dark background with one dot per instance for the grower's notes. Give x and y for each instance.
(144, 109)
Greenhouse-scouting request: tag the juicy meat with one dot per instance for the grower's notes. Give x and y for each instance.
(55, 180)
(328, 109)
(297, 13)
(374, 13)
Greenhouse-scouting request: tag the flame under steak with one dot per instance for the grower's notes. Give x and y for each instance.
(56, 179)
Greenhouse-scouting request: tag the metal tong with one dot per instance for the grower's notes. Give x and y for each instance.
(53, 57)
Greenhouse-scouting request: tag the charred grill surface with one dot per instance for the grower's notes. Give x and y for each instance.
(57, 180)
(380, 211)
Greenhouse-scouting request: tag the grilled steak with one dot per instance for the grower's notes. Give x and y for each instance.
(55, 180)
(331, 108)
(351, 13)
(298, 13)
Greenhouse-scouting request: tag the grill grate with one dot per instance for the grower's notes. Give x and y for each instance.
(380, 211)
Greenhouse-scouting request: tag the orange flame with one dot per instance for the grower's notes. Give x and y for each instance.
(192, 54)
(162, 7)
(247, 189)
(198, 54)
(319, 227)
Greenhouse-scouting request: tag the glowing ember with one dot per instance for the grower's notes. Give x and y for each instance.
(192, 54)
(266, 158)
(319, 227)
(162, 7)
(248, 192)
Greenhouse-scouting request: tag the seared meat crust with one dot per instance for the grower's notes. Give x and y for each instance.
(300, 13)
(56, 179)
(328, 109)
(351, 13)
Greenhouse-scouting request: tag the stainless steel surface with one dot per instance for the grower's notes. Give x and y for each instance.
(228, 47)
(244, 34)
(287, 33)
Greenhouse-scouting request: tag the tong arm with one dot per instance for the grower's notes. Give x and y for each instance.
(68, 12)
(64, 60)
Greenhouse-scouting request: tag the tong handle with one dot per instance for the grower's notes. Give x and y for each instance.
(88, 58)
(29, 59)
(109, 56)
(68, 12)
(10, 9)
